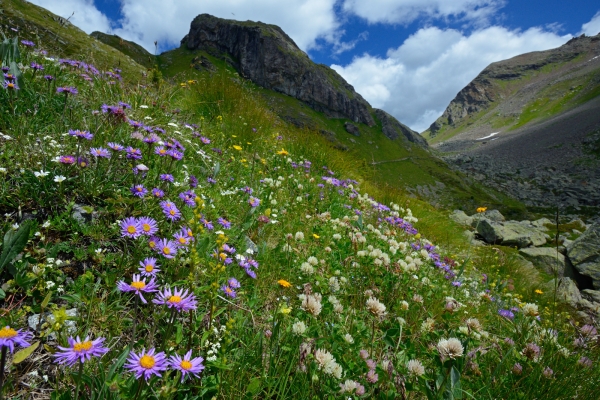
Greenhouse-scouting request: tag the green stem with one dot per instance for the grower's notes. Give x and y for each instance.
(135, 307)
(137, 394)
(170, 322)
(2, 364)
(78, 380)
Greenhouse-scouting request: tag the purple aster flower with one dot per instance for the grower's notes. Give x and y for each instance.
(67, 160)
(10, 77)
(229, 291)
(146, 363)
(176, 155)
(148, 225)
(254, 202)
(506, 314)
(170, 210)
(153, 138)
(247, 189)
(124, 105)
(233, 283)
(228, 248)
(100, 152)
(187, 364)
(10, 85)
(211, 180)
(179, 299)
(250, 273)
(188, 198)
(66, 90)
(224, 223)
(207, 224)
(457, 283)
(130, 227)
(116, 146)
(5, 68)
(148, 267)
(181, 238)
(204, 140)
(139, 191)
(167, 178)
(82, 162)
(166, 247)
(36, 67)
(9, 337)
(49, 78)
(27, 43)
(153, 242)
(80, 350)
(139, 286)
(81, 134)
(135, 124)
(193, 181)
(160, 150)
(156, 192)
(135, 154)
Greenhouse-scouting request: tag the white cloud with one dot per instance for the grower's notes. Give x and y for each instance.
(416, 81)
(591, 28)
(406, 11)
(86, 16)
(168, 21)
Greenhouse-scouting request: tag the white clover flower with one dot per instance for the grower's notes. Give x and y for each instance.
(312, 304)
(337, 236)
(299, 328)
(530, 309)
(348, 338)
(299, 236)
(415, 368)
(313, 260)
(307, 268)
(375, 307)
(450, 348)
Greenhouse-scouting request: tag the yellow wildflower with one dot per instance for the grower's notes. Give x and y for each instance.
(316, 236)
(285, 310)
(284, 283)
(481, 209)
(238, 148)
(282, 152)
(538, 291)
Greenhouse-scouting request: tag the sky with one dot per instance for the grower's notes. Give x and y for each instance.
(407, 57)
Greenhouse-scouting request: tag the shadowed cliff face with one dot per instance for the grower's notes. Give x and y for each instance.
(267, 56)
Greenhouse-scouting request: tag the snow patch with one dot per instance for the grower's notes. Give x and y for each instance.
(488, 136)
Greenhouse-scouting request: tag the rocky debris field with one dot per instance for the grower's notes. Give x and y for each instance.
(572, 262)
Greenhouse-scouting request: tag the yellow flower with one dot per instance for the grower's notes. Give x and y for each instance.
(282, 152)
(192, 82)
(284, 283)
(538, 291)
(316, 236)
(285, 310)
(237, 147)
(481, 209)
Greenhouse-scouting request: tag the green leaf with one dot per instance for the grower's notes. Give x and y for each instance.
(46, 300)
(118, 364)
(179, 334)
(253, 386)
(2, 294)
(24, 353)
(14, 243)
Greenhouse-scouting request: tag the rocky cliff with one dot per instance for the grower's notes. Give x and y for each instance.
(266, 55)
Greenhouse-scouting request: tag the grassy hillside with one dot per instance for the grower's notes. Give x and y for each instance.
(271, 266)
(388, 163)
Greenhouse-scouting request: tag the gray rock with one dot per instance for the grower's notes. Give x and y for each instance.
(541, 223)
(546, 259)
(461, 218)
(70, 325)
(471, 238)
(509, 233)
(266, 55)
(352, 129)
(584, 254)
(593, 295)
(579, 224)
(492, 215)
(83, 214)
(568, 292)
(393, 129)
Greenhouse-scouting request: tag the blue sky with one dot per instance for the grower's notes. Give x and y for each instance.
(408, 57)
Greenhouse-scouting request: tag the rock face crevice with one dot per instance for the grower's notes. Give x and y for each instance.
(266, 55)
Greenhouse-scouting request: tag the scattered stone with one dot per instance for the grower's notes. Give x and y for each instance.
(70, 325)
(541, 223)
(461, 218)
(593, 295)
(584, 254)
(352, 129)
(546, 259)
(509, 233)
(83, 214)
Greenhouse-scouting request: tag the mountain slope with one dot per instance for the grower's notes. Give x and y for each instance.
(530, 127)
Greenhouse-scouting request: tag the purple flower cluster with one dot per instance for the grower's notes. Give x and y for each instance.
(170, 210)
(149, 363)
(135, 227)
(80, 350)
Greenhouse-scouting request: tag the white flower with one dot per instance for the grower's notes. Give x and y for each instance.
(450, 348)
(312, 304)
(15, 226)
(41, 173)
(46, 224)
(299, 236)
(299, 328)
(3, 170)
(307, 268)
(530, 310)
(348, 338)
(415, 368)
(143, 106)
(50, 284)
(59, 178)
(313, 260)
(173, 125)
(375, 307)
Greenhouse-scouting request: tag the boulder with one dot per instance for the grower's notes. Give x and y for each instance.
(546, 259)
(593, 295)
(509, 233)
(352, 129)
(584, 254)
(492, 215)
(541, 223)
(461, 218)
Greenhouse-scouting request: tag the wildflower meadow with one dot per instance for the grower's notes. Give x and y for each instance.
(176, 240)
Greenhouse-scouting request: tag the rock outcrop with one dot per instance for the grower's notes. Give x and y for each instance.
(393, 129)
(584, 254)
(510, 233)
(266, 55)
